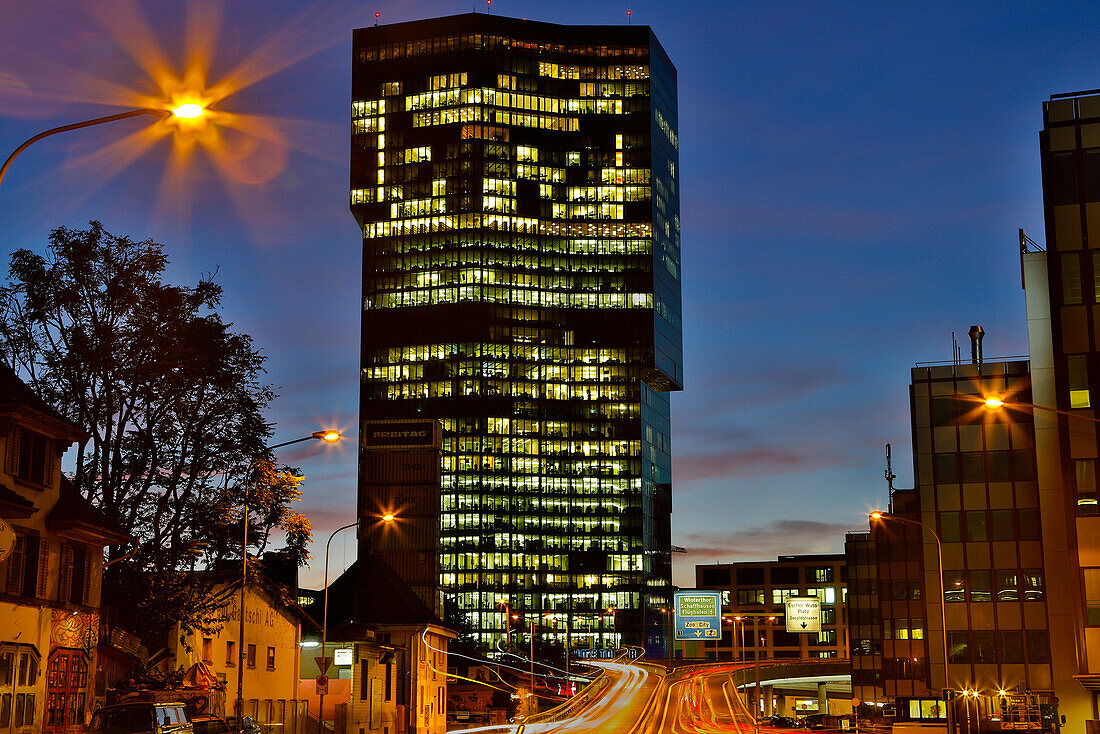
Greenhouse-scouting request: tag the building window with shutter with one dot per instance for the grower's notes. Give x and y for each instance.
(30, 457)
(75, 574)
(28, 566)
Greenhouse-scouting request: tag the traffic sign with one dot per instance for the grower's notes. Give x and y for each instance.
(949, 694)
(698, 615)
(803, 614)
(323, 663)
(322, 685)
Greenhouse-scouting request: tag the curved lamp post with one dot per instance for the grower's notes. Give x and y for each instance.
(184, 111)
(329, 436)
(324, 614)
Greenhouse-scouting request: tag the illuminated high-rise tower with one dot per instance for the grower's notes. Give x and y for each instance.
(517, 187)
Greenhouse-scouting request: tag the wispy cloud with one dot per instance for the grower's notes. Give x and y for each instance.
(758, 543)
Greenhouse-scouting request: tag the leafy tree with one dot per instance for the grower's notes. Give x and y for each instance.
(174, 402)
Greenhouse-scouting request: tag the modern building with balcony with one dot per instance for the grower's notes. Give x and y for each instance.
(517, 187)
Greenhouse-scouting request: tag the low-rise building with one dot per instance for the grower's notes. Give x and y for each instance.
(51, 568)
(393, 655)
(270, 654)
(758, 590)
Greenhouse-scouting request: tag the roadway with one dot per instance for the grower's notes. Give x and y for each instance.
(644, 698)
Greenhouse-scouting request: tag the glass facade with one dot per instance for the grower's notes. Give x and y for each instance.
(517, 187)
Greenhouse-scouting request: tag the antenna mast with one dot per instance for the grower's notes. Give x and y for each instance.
(890, 477)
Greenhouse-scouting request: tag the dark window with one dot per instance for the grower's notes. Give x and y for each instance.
(750, 576)
(1063, 174)
(271, 658)
(971, 468)
(34, 457)
(950, 532)
(785, 575)
(1038, 646)
(1011, 646)
(1071, 278)
(251, 659)
(984, 647)
(976, 525)
(1000, 466)
(715, 577)
(1025, 465)
(979, 586)
(1092, 175)
(946, 469)
(1029, 524)
(364, 680)
(1002, 524)
(958, 647)
(389, 680)
(943, 410)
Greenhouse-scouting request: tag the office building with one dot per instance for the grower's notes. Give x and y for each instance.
(977, 493)
(517, 187)
(763, 587)
(1062, 289)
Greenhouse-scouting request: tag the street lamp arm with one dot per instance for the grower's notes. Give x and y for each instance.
(77, 126)
(886, 517)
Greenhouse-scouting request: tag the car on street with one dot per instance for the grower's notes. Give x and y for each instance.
(141, 717)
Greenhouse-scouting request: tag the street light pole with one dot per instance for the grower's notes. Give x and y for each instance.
(327, 436)
(183, 111)
(324, 625)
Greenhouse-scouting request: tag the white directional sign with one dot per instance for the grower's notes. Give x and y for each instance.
(803, 614)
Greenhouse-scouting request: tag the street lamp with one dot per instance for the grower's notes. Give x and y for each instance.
(328, 436)
(189, 111)
(887, 517)
(324, 613)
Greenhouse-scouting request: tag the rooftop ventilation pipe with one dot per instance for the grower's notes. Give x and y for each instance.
(976, 333)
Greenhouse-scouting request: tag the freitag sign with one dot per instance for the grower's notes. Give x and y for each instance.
(803, 614)
(698, 615)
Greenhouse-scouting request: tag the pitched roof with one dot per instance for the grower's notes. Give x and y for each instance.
(16, 394)
(75, 516)
(13, 504)
(371, 592)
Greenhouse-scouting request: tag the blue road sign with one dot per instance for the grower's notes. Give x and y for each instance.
(698, 615)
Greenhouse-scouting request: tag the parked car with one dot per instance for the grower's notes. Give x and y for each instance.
(141, 717)
(782, 722)
(210, 725)
(820, 721)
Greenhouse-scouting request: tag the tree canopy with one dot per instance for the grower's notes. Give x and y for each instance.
(173, 400)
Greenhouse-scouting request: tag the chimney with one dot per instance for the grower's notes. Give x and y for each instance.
(976, 333)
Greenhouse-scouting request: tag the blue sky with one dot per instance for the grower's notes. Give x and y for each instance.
(853, 178)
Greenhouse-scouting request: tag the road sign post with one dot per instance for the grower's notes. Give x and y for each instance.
(803, 614)
(697, 615)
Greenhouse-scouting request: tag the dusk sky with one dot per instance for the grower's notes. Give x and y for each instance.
(853, 178)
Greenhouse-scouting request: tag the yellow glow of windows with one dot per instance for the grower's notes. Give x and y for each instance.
(506, 81)
(366, 108)
(418, 155)
(500, 186)
(527, 154)
(447, 81)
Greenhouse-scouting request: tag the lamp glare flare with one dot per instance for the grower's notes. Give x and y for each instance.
(188, 110)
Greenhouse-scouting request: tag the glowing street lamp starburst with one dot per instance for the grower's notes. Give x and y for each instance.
(198, 108)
